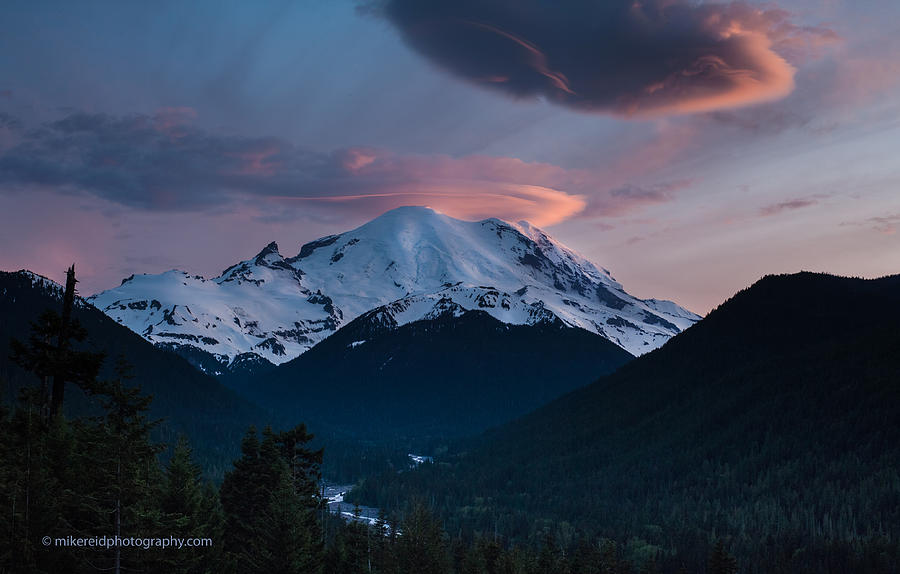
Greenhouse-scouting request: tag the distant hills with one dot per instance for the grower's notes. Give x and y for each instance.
(772, 425)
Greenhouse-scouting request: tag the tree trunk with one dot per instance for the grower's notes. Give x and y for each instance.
(59, 380)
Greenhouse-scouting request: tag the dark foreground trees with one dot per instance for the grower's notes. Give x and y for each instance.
(270, 502)
(91, 494)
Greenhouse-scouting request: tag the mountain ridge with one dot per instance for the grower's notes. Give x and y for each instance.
(409, 257)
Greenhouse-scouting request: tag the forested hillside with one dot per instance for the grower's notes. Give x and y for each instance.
(420, 383)
(188, 401)
(772, 425)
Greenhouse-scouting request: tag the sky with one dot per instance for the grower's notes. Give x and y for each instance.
(688, 147)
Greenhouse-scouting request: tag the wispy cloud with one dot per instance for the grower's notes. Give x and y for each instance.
(886, 224)
(630, 197)
(790, 205)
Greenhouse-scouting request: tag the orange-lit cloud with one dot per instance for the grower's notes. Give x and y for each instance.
(647, 58)
(538, 59)
(541, 206)
(767, 77)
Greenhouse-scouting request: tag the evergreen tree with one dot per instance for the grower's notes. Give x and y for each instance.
(121, 492)
(189, 509)
(421, 546)
(720, 561)
(86, 477)
(35, 455)
(270, 501)
(50, 355)
(550, 559)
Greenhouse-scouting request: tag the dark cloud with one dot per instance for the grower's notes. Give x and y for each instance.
(620, 56)
(789, 205)
(162, 162)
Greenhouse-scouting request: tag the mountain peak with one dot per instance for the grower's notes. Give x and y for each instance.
(410, 210)
(414, 262)
(407, 216)
(267, 250)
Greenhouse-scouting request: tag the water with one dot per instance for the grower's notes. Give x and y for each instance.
(334, 495)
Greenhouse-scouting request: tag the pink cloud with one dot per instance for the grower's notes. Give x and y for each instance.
(542, 206)
(885, 224)
(356, 159)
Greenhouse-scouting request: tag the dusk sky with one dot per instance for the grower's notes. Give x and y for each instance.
(688, 147)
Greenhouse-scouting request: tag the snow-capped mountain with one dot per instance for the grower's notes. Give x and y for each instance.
(408, 264)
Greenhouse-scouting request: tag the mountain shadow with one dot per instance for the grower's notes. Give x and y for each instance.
(451, 375)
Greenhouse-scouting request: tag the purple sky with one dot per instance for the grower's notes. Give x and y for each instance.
(690, 148)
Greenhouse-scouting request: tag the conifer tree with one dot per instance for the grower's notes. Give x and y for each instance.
(124, 473)
(270, 501)
(421, 546)
(189, 509)
(50, 355)
(720, 561)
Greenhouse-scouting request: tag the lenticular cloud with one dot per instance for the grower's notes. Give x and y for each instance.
(626, 57)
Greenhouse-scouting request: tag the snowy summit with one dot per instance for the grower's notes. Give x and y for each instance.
(408, 264)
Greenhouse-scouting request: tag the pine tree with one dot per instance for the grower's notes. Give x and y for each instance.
(609, 558)
(189, 509)
(50, 355)
(35, 455)
(421, 546)
(550, 557)
(270, 501)
(123, 471)
(720, 561)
